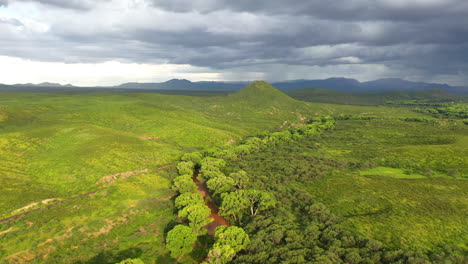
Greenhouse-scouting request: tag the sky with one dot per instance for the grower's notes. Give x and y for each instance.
(108, 42)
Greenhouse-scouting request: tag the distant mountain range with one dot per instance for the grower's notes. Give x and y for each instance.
(44, 84)
(377, 86)
(183, 84)
(335, 84)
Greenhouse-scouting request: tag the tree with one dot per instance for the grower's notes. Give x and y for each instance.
(197, 214)
(194, 157)
(187, 199)
(212, 173)
(255, 143)
(220, 185)
(225, 154)
(184, 184)
(233, 236)
(179, 241)
(240, 178)
(233, 205)
(320, 214)
(212, 163)
(220, 254)
(243, 149)
(185, 167)
(258, 200)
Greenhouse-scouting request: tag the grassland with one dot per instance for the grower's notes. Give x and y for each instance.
(57, 146)
(408, 183)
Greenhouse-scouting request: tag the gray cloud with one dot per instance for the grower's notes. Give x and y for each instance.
(336, 10)
(424, 37)
(69, 4)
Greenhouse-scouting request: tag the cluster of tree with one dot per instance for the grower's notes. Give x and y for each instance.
(236, 199)
(228, 241)
(458, 111)
(192, 212)
(257, 143)
(436, 109)
(232, 193)
(300, 230)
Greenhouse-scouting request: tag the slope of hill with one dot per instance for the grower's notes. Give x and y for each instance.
(261, 92)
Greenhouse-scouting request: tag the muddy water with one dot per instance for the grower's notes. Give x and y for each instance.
(218, 220)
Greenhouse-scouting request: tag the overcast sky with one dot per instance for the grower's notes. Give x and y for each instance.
(107, 42)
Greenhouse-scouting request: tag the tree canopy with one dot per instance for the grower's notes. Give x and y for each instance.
(180, 240)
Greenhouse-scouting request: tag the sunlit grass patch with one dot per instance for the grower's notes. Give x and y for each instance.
(392, 172)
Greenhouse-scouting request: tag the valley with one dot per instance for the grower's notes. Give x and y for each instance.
(378, 171)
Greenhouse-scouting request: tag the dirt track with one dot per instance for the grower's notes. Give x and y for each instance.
(17, 216)
(218, 220)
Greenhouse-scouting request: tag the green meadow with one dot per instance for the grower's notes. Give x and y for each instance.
(54, 147)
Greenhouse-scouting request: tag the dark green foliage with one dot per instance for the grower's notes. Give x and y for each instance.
(299, 229)
(240, 178)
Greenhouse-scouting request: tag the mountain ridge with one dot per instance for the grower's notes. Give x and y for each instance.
(335, 84)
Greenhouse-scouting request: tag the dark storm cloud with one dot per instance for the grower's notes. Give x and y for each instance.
(336, 10)
(429, 36)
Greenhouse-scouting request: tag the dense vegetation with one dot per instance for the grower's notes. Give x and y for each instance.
(329, 213)
(300, 228)
(231, 192)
